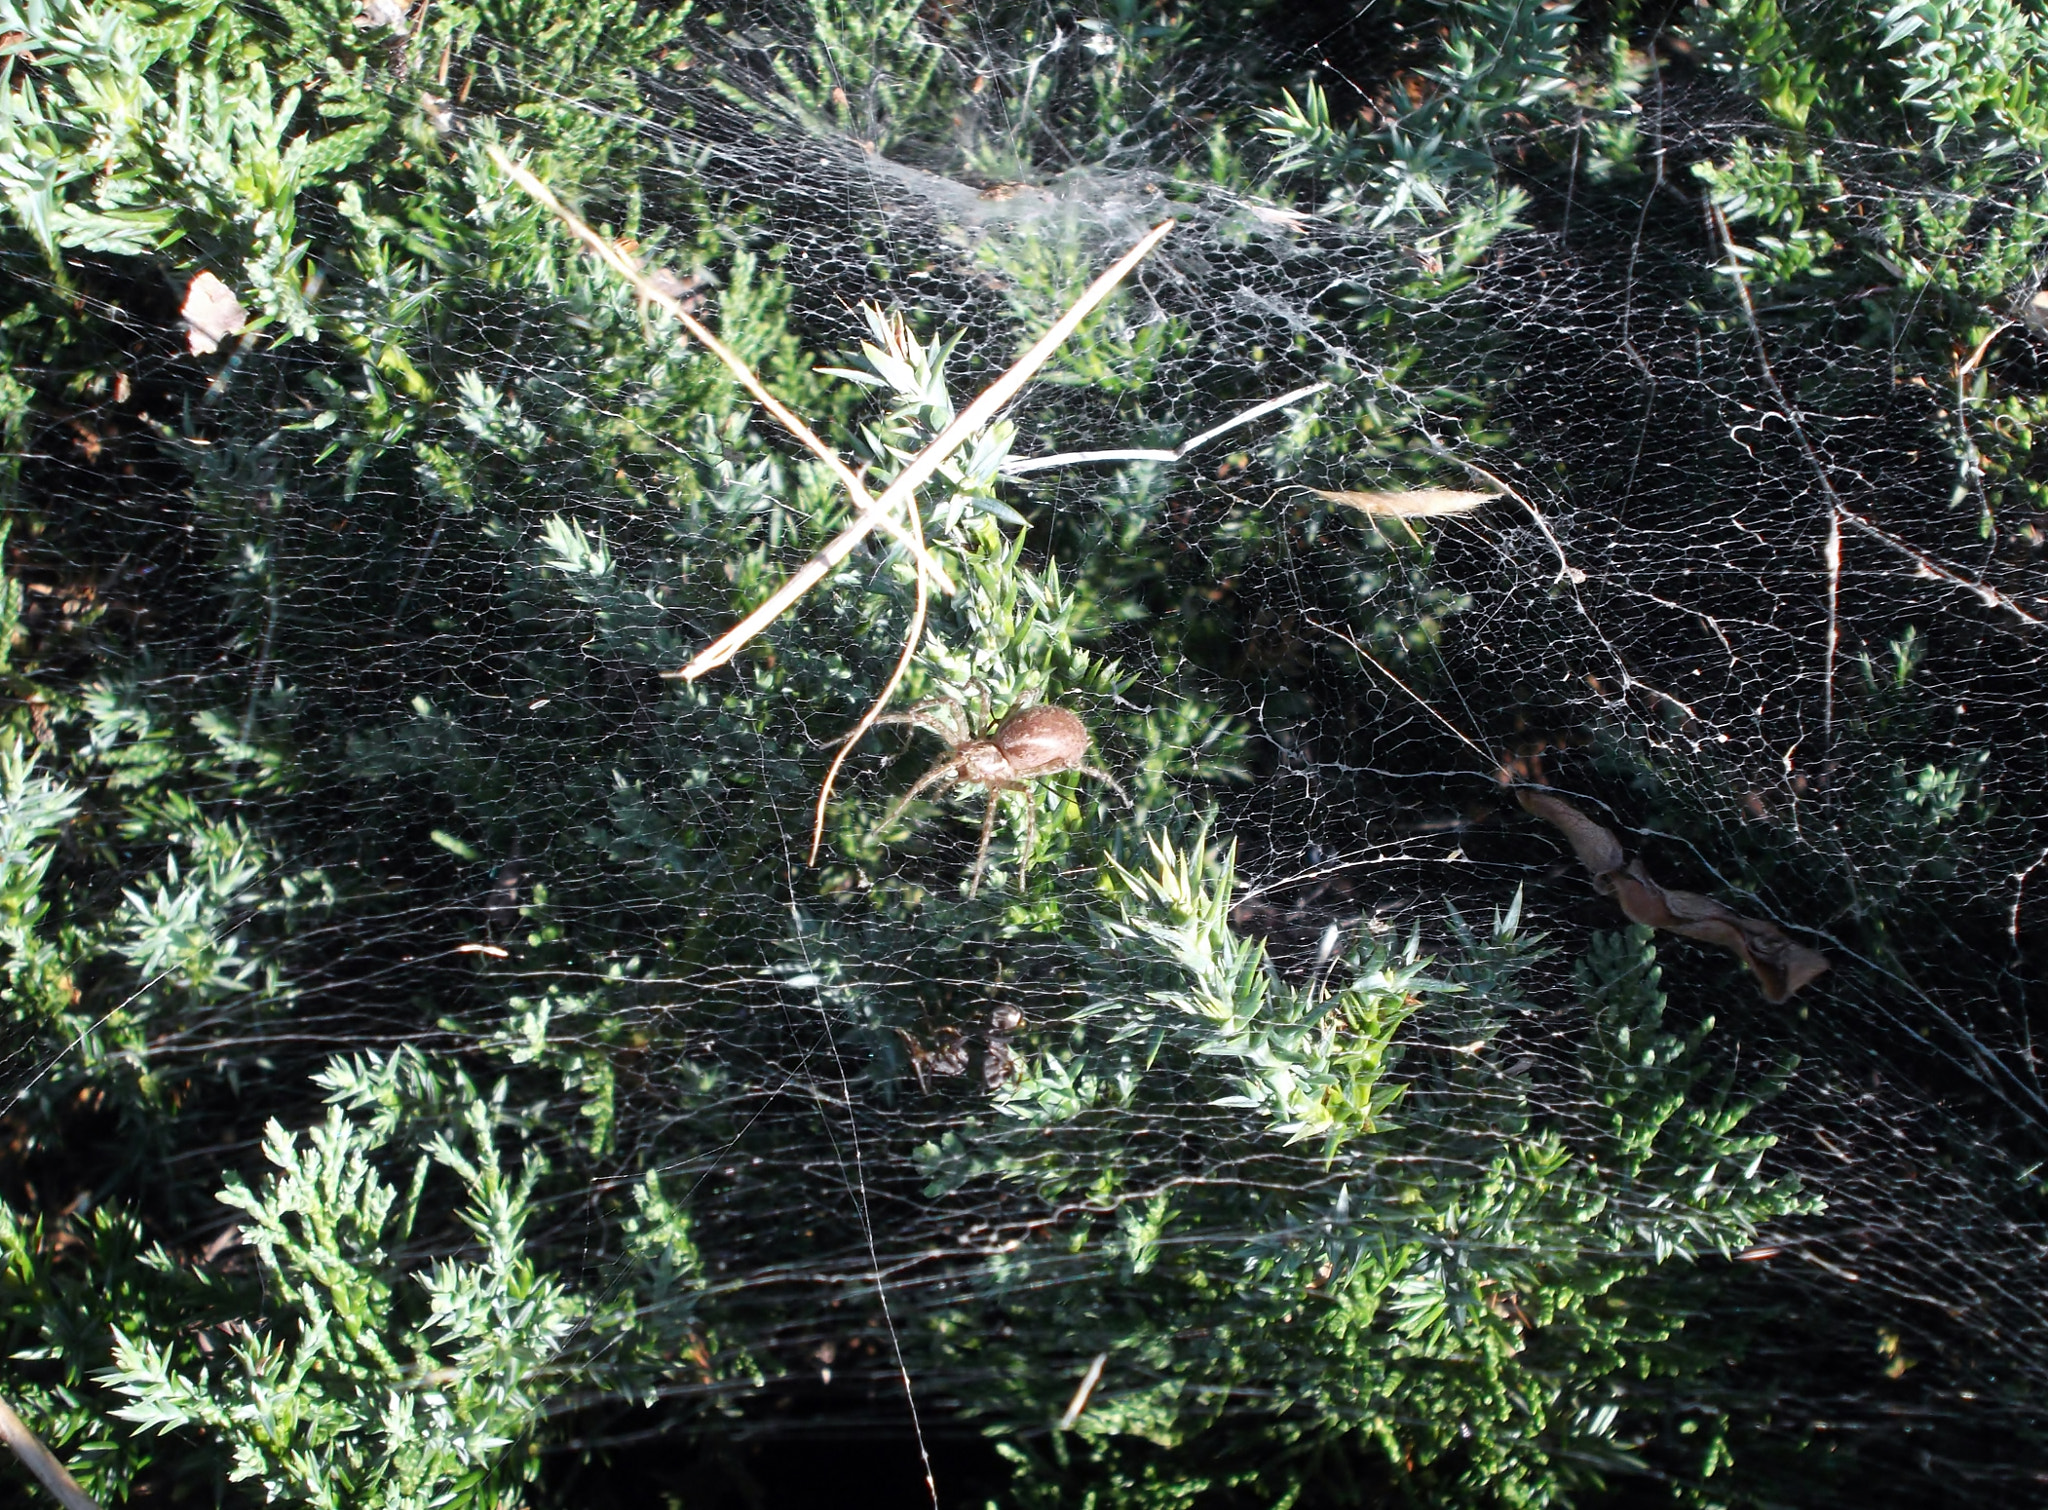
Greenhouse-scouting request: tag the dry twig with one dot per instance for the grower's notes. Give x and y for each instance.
(1029, 464)
(1082, 1391)
(1015, 378)
(922, 466)
(868, 719)
(42, 1462)
(874, 513)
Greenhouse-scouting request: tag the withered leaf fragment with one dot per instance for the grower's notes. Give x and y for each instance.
(391, 15)
(1418, 503)
(212, 313)
(1780, 966)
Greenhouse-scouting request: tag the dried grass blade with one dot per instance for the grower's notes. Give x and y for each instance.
(1082, 1391)
(42, 1462)
(911, 639)
(871, 509)
(926, 462)
(1421, 503)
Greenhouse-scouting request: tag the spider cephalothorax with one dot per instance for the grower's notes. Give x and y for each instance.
(1034, 741)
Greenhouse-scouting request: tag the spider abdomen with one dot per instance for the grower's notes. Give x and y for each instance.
(1042, 740)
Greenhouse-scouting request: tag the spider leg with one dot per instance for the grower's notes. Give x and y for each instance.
(917, 1057)
(1107, 780)
(950, 766)
(963, 727)
(945, 717)
(988, 828)
(1030, 834)
(925, 716)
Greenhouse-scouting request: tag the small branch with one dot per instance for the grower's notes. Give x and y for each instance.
(1928, 566)
(922, 466)
(875, 710)
(1078, 458)
(2019, 895)
(41, 1462)
(1970, 366)
(1969, 460)
(876, 514)
(1838, 512)
(1086, 1388)
(409, 48)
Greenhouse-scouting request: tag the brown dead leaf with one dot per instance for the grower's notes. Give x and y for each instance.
(1421, 503)
(212, 313)
(389, 15)
(1780, 966)
(1294, 220)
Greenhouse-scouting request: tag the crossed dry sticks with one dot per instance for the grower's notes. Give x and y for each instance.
(873, 513)
(615, 257)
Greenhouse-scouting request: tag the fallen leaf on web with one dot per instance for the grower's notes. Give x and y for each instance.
(1294, 220)
(1780, 966)
(1423, 503)
(390, 14)
(212, 313)
(685, 291)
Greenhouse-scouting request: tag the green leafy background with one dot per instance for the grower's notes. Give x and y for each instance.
(430, 1073)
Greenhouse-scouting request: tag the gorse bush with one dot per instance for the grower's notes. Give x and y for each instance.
(432, 1067)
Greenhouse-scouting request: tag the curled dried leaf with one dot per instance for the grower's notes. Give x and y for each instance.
(211, 313)
(1781, 967)
(1597, 848)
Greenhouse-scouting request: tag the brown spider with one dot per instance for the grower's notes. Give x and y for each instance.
(1034, 741)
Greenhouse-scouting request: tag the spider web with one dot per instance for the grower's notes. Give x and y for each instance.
(1737, 586)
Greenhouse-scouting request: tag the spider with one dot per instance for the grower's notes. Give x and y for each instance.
(1033, 741)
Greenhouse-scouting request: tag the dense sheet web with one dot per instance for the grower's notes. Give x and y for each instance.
(1736, 586)
(1690, 591)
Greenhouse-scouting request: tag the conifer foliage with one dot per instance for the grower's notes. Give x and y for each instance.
(428, 1063)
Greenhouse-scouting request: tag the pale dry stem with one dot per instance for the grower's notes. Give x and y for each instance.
(626, 267)
(40, 1461)
(921, 467)
(867, 722)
